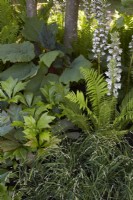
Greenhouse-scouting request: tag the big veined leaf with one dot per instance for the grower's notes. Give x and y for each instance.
(23, 52)
(36, 30)
(73, 73)
(21, 71)
(49, 57)
(32, 29)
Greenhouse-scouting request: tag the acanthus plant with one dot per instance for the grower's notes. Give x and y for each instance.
(100, 36)
(114, 65)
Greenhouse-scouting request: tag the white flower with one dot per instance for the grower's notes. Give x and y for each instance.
(119, 64)
(118, 58)
(131, 45)
(103, 53)
(117, 86)
(99, 11)
(108, 58)
(118, 78)
(114, 64)
(110, 51)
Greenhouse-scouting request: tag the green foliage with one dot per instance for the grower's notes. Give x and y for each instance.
(96, 88)
(90, 168)
(10, 90)
(21, 71)
(5, 123)
(25, 123)
(3, 193)
(23, 52)
(5, 13)
(9, 33)
(36, 30)
(36, 131)
(85, 34)
(101, 116)
(73, 72)
(9, 27)
(126, 2)
(43, 151)
(44, 10)
(48, 58)
(54, 93)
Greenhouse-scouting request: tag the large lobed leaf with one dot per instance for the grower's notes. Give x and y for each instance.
(21, 71)
(73, 73)
(23, 52)
(49, 57)
(36, 30)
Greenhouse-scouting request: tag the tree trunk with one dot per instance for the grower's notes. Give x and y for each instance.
(31, 8)
(71, 18)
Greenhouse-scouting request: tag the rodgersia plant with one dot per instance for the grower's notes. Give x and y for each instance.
(114, 65)
(100, 37)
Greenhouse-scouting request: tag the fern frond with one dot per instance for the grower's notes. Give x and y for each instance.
(126, 111)
(9, 33)
(5, 13)
(96, 88)
(123, 120)
(81, 103)
(9, 27)
(72, 109)
(76, 118)
(107, 113)
(127, 103)
(77, 98)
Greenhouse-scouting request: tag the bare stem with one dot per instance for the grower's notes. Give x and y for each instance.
(129, 73)
(99, 68)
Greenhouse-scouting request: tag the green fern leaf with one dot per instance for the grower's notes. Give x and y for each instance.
(107, 113)
(76, 118)
(96, 88)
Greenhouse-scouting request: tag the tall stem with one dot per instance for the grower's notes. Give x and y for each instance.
(99, 67)
(129, 73)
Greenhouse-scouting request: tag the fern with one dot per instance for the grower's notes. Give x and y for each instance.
(76, 118)
(126, 111)
(107, 113)
(96, 88)
(77, 103)
(102, 115)
(72, 110)
(9, 27)
(85, 35)
(9, 33)
(5, 13)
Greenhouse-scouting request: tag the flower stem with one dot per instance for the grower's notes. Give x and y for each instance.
(99, 68)
(129, 73)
